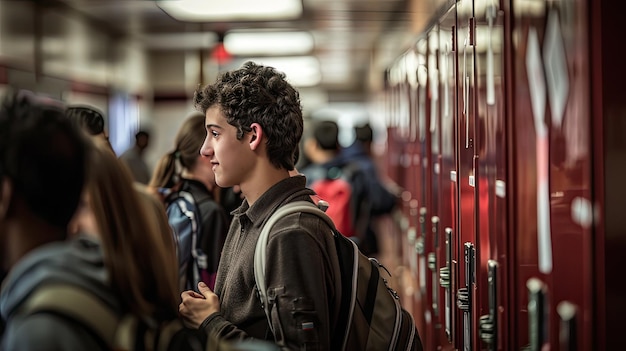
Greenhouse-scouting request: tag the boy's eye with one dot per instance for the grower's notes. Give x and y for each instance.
(214, 133)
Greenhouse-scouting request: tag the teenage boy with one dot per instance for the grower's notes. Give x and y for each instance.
(42, 172)
(254, 123)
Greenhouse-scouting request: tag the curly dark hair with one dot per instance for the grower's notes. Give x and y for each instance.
(258, 94)
(43, 154)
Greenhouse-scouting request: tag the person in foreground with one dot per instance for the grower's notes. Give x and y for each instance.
(140, 261)
(42, 172)
(254, 123)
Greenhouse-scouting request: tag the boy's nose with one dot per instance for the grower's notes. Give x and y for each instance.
(206, 149)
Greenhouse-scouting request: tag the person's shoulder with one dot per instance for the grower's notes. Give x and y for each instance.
(50, 332)
(301, 223)
(212, 210)
(128, 153)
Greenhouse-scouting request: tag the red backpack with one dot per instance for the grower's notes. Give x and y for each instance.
(338, 193)
(344, 188)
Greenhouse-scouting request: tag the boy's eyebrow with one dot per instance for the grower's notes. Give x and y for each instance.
(210, 125)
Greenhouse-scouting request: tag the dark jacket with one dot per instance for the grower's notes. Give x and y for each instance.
(302, 272)
(78, 262)
(379, 199)
(382, 201)
(214, 224)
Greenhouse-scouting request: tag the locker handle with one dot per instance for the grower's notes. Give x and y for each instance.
(435, 221)
(444, 281)
(537, 333)
(422, 220)
(465, 296)
(432, 264)
(567, 334)
(488, 324)
(419, 246)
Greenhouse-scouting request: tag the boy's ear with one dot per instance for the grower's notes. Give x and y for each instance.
(6, 192)
(256, 135)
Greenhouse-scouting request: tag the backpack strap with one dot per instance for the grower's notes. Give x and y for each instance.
(260, 258)
(79, 305)
(83, 307)
(181, 198)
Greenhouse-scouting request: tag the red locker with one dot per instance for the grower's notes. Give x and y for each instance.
(490, 177)
(466, 246)
(608, 74)
(552, 202)
(444, 193)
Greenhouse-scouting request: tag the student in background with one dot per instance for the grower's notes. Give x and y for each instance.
(134, 158)
(384, 196)
(185, 170)
(335, 181)
(381, 198)
(254, 122)
(322, 149)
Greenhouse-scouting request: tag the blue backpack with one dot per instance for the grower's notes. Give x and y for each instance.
(185, 221)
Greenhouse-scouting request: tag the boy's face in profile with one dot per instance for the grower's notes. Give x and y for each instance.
(232, 159)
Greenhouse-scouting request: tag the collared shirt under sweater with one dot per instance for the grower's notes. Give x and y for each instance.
(302, 271)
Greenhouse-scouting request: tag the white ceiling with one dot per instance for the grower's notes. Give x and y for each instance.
(348, 34)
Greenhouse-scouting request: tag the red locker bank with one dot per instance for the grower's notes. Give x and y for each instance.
(507, 131)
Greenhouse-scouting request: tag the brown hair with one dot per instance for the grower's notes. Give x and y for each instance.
(187, 143)
(139, 252)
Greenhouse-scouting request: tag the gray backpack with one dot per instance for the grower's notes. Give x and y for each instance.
(126, 332)
(371, 317)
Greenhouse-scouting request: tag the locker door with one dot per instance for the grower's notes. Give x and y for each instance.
(448, 269)
(524, 178)
(466, 166)
(434, 259)
(393, 146)
(424, 194)
(566, 59)
(490, 175)
(552, 205)
(608, 74)
(437, 258)
(441, 221)
(411, 247)
(414, 253)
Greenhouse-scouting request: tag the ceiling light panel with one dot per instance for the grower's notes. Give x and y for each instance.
(268, 43)
(301, 71)
(214, 10)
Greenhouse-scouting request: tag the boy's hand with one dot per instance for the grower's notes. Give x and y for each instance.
(195, 308)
